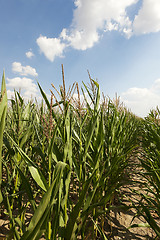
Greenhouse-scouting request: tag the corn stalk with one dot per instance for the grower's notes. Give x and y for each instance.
(3, 111)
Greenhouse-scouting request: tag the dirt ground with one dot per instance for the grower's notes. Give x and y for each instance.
(120, 220)
(116, 228)
(120, 224)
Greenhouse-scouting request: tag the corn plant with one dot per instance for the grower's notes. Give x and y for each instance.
(3, 110)
(65, 163)
(149, 206)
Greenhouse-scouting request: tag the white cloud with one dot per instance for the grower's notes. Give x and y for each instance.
(23, 71)
(142, 100)
(51, 47)
(89, 19)
(10, 94)
(26, 85)
(148, 18)
(80, 40)
(29, 54)
(92, 18)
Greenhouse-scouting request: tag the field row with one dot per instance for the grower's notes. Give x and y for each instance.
(64, 161)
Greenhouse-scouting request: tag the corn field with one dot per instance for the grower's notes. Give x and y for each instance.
(64, 161)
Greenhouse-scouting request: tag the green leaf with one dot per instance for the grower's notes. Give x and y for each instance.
(41, 214)
(69, 231)
(27, 188)
(139, 225)
(44, 96)
(71, 225)
(34, 170)
(99, 230)
(3, 111)
(12, 221)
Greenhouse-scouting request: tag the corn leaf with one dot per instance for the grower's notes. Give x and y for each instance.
(41, 214)
(3, 111)
(34, 170)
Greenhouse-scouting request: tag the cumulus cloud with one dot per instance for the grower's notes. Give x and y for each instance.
(142, 100)
(80, 40)
(92, 18)
(29, 54)
(26, 85)
(148, 18)
(23, 83)
(89, 19)
(51, 47)
(10, 94)
(23, 71)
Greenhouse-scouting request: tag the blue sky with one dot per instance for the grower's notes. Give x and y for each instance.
(117, 41)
